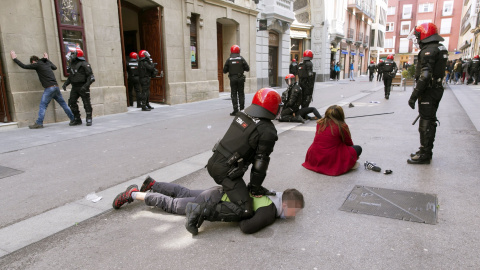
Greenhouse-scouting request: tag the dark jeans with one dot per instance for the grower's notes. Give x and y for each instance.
(358, 149)
(173, 198)
(304, 111)
(73, 101)
(52, 92)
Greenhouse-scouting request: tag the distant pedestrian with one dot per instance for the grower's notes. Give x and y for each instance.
(134, 79)
(371, 69)
(389, 71)
(337, 71)
(380, 70)
(293, 69)
(44, 68)
(351, 70)
(457, 69)
(307, 78)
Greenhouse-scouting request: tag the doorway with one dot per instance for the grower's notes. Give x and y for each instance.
(220, 56)
(141, 28)
(273, 59)
(4, 112)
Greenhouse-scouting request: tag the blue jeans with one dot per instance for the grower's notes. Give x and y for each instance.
(48, 94)
(350, 75)
(457, 76)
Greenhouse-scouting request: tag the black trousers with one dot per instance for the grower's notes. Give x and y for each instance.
(357, 149)
(372, 74)
(173, 198)
(237, 86)
(73, 101)
(387, 82)
(379, 76)
(145, 84)
(304, 111)
(134, 84)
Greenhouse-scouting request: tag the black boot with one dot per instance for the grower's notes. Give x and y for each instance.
(88, 119)
(148, 106)
(235, 111)
(144, 107)
(75, 122)
(427, 130)
(193, 211)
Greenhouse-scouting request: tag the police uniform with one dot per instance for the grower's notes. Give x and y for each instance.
(380, 71)
(389, 71)
(249, 140)
(146, 71)
(235, 66)
(292, 99)
(432, 60)
(133, 81)
(475, 68)
(81, 77)
(307, 81)
(293, 69)
(371, 69)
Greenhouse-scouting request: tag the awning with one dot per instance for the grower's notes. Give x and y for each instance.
(362, 54)
(353, 53)
(344, 52)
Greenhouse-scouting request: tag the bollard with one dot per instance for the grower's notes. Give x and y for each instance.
(404, 84)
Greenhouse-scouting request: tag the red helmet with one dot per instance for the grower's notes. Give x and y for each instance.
(133, 55)
(290, 79)
(390, 57)
(476, 56)
(265, 104)
(235, 49)
(143, 54)
(75, 53)
(381, 60)
(307, 55)
(294, 60)
(371, 62)
(427, 32)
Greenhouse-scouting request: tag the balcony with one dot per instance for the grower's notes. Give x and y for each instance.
(365, 42)
(359, 37)
(363, 7)
(350, 34)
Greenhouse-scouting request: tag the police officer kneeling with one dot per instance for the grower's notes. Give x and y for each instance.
(432, 60)
(249, 140)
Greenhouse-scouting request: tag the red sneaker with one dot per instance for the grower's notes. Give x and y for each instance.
(147, 184)
(124, 197)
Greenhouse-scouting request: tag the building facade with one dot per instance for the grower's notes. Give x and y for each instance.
(468, 42)
(273, 42)
(188, 39)
(377, 32)
(403, 16)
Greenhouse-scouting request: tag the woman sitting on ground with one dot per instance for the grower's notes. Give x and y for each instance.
(332, 151)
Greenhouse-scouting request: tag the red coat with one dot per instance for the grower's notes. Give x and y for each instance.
(328, 154)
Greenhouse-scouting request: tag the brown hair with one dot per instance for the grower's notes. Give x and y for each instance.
(334, 115)
(292, 194)
(33, 58)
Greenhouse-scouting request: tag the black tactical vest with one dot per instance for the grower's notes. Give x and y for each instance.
(388, 66)
(132, 67)
(235, 66)
(78, 73)
(236, 140)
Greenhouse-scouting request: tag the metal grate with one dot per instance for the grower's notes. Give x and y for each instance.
(398, 204)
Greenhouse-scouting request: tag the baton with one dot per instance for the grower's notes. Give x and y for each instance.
(415, 121)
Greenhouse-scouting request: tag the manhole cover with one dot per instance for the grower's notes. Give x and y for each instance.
(6, 172)
(398, 204)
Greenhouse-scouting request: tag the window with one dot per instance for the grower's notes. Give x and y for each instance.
(405, 28)
(447, 8)
(391, 11)
(419, 22)
(193, 41)
(389, 27)
(446, 26)
(446, 42)
(380, 39)
(407, 12)
(70, 28)
(403, 45)
(383, 17)
(428, 7)
(388, 43)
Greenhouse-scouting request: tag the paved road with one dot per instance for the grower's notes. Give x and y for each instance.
(61, 165)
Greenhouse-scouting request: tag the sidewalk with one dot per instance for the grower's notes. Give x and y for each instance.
(62, 164)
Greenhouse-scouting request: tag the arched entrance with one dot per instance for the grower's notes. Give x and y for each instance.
(141, 28)
(273, 44)
(227, 35)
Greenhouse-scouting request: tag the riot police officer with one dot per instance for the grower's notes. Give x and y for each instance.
(293, 69)
(371, 68)
(235, 66)
(307, 78)
(81, 77)
(380, 70)
(292, 99)
(432, 60)
(475, 69)
(389, 70)
(249, 140)
(133, 79)
(147, 70)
